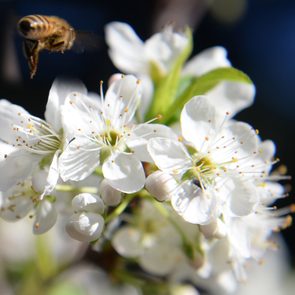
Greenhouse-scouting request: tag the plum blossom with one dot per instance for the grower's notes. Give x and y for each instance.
(155, 241)
(102, 134)
(184, 203)
(132, 55)
(23, 199)
(31, 141)
(213, 169)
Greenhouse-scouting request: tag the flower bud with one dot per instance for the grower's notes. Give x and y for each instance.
(88, 202)
(85, 227)
(110, 196)
(160, 185)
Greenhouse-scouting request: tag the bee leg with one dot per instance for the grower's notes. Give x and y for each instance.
(56, 43)
(31, 52)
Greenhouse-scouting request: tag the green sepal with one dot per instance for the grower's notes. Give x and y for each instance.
(200, 86)
(105, 153)
(166, 86)
(51, 198)
(45, 161)
(155, 72)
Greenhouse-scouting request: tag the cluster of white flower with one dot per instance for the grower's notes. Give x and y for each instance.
(187, 198)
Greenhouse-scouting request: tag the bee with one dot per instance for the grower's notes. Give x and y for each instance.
(41, 32)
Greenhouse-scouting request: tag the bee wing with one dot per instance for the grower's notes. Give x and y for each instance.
(86, 41)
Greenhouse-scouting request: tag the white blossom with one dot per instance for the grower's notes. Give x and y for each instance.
(213, 170)
(103, 134)
(33, 140)
(21, 200)
(132, 55)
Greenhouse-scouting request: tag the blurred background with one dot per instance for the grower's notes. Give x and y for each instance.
(258, 34)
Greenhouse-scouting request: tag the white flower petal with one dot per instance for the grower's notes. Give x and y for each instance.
(15, 165)
(163, 48)
(169, 155)
(245, 136)
(270, 191)
(147, 96)
(88, 202)
(137, 142)
(81, 114)
(207, 60)
(243, 197)
(127, 242)
(13, 209)
(126, 49)
(160, 259)
(124, 172)
(267, 150)
(121, 101)
(239, 237)
(192, 204)
(231, 97)
(53, 175)
(79, 159)
(46, 217)
(215, 229)
(198, 122)
(57, 95)
(39, 179)
(236, 147)
(85, 227)
(10, 114)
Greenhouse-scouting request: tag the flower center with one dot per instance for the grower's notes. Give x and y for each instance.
(110, 138)
(202, 173)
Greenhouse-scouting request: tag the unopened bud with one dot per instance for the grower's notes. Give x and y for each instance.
(160, 185)
(110, 196)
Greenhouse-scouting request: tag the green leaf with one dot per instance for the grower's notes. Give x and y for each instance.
(201, 85)
(166, 87)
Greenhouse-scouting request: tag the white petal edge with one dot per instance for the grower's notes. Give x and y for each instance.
(169, 155)
(124, 172)
(231, 97)
(15, 165)
(198, 122)
(53, 175)
(127, 242)
(142, 133)
(46, 217)
(192, 204)
(79, 159)
(207, 60)
(126, 49)
(59, 90)
(10, 114)
(121, 100)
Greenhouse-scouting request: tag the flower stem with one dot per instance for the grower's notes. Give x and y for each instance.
(69, 188)
(120, 209)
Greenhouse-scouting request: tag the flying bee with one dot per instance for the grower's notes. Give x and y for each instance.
(43, 32)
